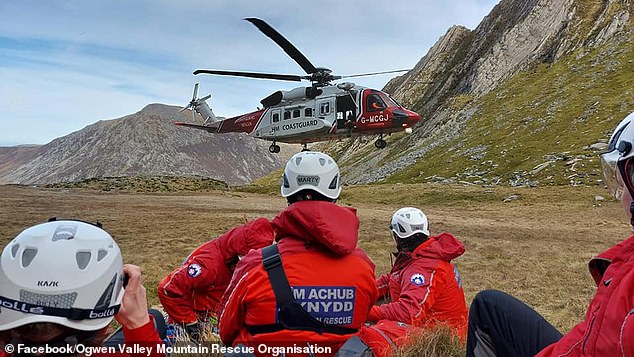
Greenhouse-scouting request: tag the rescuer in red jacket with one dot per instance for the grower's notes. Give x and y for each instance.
(500, 325)
(61, 284)
(332, 280)
(424, 287)
(194, 290)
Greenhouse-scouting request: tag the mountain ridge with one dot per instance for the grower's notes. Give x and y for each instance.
(145, 143)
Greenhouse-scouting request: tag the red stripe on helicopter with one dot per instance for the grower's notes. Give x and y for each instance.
(241, 124)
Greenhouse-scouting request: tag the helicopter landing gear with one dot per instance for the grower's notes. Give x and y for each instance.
(274, 148)
(380, 143)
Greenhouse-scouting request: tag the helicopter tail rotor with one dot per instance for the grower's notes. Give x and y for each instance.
(200, 106)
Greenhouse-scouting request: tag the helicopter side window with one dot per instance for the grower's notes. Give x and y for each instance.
(308, 112)
(324, 108)
(296, 113)
(375, 103)
(276, 117)
(287, 114)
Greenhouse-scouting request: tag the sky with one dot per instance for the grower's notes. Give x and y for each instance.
(65, 64)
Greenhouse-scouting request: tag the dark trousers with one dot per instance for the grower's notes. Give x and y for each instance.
(501, 325)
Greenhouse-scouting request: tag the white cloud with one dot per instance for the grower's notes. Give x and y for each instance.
(68, 63)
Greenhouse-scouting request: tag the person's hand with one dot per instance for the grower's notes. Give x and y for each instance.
(133, 312)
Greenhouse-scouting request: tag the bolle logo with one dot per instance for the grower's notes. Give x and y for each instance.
(308, 180)
(22, 307)
(48, 283)
(98, 315)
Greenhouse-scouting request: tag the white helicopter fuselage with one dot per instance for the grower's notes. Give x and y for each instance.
(299, 119)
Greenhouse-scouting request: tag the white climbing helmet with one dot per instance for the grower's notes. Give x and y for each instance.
(617, 163)
(65, 272)
(311, 170)
(408, 221)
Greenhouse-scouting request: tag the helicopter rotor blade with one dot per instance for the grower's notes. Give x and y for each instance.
(195, 92)
(279, 77)
(204, 98)
(281, 41)
(373, 73)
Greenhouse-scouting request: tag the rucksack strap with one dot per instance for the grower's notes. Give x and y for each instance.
(272, 262)
(286, 304)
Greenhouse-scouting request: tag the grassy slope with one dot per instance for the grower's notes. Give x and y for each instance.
(556, 109)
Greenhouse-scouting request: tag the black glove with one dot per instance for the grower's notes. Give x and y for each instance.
(194, 330)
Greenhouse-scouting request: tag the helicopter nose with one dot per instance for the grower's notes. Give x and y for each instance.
(405, 118)
(413, 118)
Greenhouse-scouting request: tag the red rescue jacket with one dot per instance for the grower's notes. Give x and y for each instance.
(197, 286)
(608, 329)
(425, 288)
(331, 277)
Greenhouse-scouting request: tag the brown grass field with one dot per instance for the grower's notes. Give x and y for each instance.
(535, 247)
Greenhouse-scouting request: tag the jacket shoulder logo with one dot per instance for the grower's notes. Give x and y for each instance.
(194, 270)
(417, 279)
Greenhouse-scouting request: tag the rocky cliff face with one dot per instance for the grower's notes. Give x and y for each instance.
(515, 35)
(449, 87)
(142, 144)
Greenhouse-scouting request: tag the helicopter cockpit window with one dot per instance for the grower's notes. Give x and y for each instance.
(391, 101)
(308, 112)
(324, 108)
(375, 103)
(276, 117)
(296, 113)
(287, 114)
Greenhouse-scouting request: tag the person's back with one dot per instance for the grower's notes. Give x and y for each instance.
(447, 304)
(331, 278)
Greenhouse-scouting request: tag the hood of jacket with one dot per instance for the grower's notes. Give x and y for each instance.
(324, 223)
(599, 264)
(444, 247)
(239, 241)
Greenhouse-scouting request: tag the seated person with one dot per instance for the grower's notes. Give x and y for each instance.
(62, 282)
(423, 286)
(191, 293)
(317, 255)
(501, 325)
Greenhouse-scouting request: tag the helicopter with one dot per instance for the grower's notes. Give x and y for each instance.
(319, 112)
